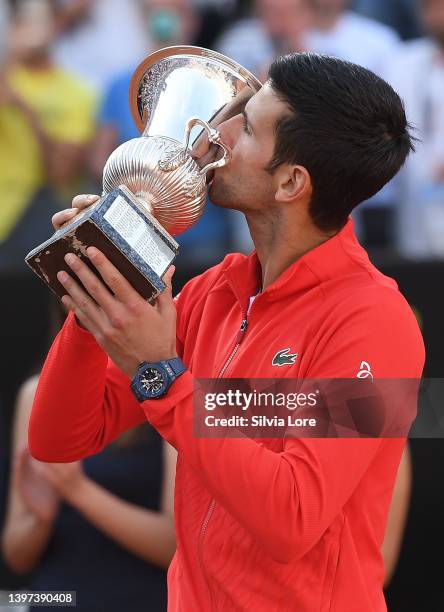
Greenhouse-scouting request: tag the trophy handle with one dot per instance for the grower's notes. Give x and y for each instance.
(213, 137)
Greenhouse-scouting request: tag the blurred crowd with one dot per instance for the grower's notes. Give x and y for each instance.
(65, 69)
(65, 72)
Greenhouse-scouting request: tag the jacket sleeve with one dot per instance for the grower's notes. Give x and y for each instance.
(287, 499)
(83, 401)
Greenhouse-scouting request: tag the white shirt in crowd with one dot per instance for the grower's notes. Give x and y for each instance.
(354, 38)
(112, 39)
(416, 72)
(357, 39)
(4, 25)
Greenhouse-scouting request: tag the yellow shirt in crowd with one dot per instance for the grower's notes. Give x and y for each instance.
(66, 111)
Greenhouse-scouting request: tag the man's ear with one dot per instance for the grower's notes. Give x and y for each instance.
(292, 183)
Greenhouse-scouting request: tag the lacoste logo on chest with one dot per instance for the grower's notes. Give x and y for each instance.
(284, 357)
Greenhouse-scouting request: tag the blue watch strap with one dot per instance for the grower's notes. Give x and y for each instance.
(176, 365)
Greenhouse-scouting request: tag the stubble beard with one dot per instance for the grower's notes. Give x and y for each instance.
(222, 194)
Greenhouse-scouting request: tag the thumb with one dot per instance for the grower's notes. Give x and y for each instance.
(166, 297)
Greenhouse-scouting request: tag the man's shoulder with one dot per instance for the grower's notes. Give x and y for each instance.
(364, 293)
(369, 322)
(367, 289)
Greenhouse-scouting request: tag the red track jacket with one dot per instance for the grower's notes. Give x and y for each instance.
(286, 525)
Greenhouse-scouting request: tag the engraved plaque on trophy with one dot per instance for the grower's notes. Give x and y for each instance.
(153, 189)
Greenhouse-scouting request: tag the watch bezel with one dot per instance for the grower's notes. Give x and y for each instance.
(169, 369)
(142, 387)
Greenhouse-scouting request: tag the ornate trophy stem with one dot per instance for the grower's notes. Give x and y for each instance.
(213, 137)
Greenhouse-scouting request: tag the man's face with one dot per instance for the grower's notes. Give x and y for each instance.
(433, 18)
(245, 184)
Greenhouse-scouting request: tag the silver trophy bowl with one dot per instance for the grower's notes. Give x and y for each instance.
(176, 94)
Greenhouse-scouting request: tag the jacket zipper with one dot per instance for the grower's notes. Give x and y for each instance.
(239, 338)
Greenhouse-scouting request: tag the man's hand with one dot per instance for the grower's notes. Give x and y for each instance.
(79, 204)
(127, 327)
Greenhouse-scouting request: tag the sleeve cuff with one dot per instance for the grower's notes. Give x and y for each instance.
(180, 389)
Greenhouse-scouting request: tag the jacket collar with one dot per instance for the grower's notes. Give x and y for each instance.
(337, 256)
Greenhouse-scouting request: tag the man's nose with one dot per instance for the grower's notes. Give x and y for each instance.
(229, 129)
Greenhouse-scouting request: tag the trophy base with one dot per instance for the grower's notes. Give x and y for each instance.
(127, 234)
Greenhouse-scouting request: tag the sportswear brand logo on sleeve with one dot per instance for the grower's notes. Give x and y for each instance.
(284, 357)
(365, 370)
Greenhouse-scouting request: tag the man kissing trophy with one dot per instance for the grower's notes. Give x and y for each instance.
(153, 189)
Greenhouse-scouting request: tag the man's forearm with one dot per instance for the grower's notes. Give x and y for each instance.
(79, 407)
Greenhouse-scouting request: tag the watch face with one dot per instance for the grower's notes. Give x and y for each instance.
(152, 380)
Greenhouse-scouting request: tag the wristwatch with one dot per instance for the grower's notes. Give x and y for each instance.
(152, 380)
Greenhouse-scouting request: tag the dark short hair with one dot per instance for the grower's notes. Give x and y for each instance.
(346, 126)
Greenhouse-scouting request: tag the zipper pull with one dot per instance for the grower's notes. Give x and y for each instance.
(241, 332)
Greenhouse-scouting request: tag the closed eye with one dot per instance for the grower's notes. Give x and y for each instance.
(246, 126)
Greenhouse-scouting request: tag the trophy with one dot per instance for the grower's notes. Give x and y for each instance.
(153, 189)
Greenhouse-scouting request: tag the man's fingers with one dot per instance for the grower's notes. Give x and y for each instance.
(93, 285)
(83, 320)
(82, 304)
(84, 200)
(166, 297)
(62, 217)
(116, 282)
(168, 279)
(79, 203)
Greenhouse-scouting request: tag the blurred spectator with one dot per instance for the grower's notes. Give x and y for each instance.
(102, 527)
(99, 38)
(4, 25)
(417, 73)
(278, 26)
(214, 16)
(46, 120)
(401, 15)
(170, 22)
(344, 34)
